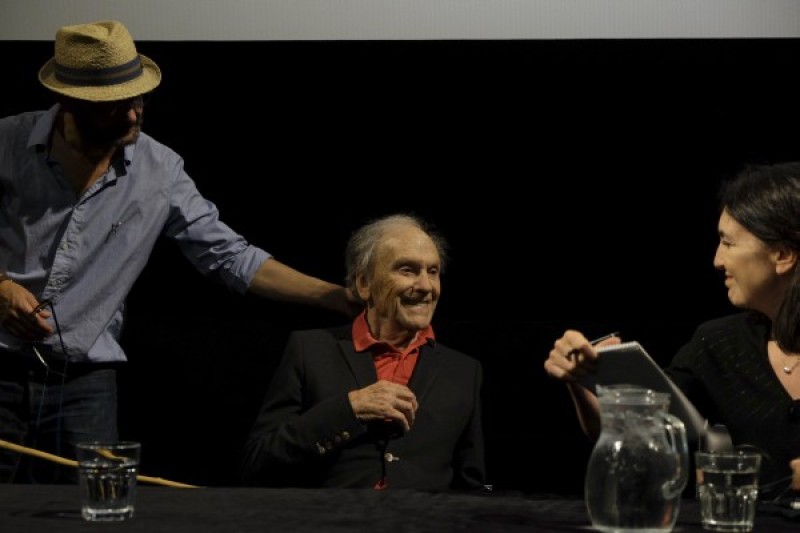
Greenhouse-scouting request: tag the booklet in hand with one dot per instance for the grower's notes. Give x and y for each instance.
(629, 363)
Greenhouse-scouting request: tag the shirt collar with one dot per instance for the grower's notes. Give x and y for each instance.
(363, 339)
(40, 134)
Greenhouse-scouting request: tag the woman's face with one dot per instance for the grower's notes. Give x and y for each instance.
(753, 270)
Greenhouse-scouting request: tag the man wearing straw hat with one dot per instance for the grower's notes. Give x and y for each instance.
(84, 195)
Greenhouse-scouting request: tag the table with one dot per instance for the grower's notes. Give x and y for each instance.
(45, 508)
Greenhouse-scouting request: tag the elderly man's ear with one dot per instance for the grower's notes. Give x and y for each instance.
(363, 287)
(354, 302)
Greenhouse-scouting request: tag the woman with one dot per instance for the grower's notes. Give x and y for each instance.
(742, 370)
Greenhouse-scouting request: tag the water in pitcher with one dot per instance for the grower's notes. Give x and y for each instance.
(639, 464)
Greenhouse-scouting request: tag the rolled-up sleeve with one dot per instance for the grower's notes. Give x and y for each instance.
(209, 244)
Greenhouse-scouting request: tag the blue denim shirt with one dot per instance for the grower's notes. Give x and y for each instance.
(87, 252)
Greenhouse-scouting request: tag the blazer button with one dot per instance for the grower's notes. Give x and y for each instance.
(388, 457)
(345, 435)
(320, 449)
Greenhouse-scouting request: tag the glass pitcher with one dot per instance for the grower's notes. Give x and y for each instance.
(639, 465)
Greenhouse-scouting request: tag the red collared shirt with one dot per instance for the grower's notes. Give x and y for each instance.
(392, 364)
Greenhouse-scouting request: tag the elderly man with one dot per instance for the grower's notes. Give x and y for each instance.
(377, 403)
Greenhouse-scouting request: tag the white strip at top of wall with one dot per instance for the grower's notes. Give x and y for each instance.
(279, 20)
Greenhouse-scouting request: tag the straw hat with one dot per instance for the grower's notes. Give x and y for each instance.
(98, 62)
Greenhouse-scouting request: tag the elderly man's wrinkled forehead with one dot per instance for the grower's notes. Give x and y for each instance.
(404, 239)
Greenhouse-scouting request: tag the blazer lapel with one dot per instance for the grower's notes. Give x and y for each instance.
(425, 372)
(360, 364)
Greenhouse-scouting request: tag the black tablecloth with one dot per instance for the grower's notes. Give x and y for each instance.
(44, 508)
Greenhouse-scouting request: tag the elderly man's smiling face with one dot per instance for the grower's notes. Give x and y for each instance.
(403, 287)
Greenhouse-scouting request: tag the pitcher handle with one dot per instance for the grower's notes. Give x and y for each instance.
(676, 431)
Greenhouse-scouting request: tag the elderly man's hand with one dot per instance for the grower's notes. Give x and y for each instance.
(385, 400)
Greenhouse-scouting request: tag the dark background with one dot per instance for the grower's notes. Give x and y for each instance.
(575, 180)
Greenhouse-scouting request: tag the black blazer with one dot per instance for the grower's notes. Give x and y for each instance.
(306, 434)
